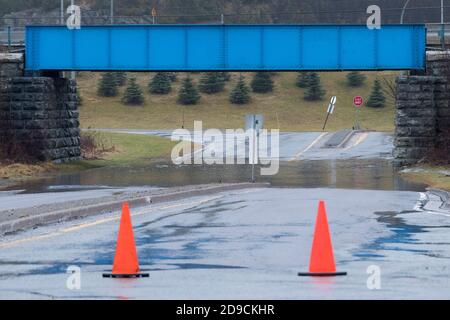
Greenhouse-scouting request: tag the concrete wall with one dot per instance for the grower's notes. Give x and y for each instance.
(39, 115)
(422, 117)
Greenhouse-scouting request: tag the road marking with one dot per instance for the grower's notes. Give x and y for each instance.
(360, 139)
(100, 221)
(297, 156)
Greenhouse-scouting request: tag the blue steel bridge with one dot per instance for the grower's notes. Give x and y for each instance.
(225, 48)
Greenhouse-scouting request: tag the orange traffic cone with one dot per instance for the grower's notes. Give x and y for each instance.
(126, 264)
(321, 263)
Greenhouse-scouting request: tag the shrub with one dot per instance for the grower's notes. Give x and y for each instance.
(262, 82)
(377, 98)
(133, 93)
(314, 90)
(240, 93)
(107, 86)
(355, 79)
(160, 84)
(211, 82)
(188, 94)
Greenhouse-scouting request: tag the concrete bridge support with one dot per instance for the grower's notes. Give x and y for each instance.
(422, 119)
(38, 115)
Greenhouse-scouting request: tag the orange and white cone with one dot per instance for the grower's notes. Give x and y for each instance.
(322, 263)
(126, 263)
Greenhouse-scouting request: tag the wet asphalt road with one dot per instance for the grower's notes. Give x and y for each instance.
(246, 244)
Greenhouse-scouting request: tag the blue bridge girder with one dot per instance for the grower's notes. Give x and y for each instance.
(225, 48)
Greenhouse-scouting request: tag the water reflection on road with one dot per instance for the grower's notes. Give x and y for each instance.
(377, 174)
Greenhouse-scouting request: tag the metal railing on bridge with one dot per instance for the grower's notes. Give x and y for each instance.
(12, 30)
(12, 36)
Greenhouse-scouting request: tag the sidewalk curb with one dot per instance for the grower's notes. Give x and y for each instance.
(90, 210)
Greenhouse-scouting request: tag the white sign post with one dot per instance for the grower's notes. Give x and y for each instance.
(330, 110)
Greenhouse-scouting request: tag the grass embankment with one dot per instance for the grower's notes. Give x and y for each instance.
(433, 176)
(285, 108)
(117, 150)
(121, 149)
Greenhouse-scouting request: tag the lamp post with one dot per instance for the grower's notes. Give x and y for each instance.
(403, 11)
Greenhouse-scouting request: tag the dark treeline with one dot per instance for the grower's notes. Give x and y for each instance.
(244, 11)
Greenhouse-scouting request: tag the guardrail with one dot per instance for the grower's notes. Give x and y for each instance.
(10, 36)
(438, 35)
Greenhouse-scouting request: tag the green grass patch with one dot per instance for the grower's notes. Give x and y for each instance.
(285, 108)
(128, 150)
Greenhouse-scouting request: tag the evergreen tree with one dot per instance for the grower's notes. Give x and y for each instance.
(188, 93)
(377, 98)
(262, 82)
(133, 93)
(173, 76)
(314, 90)
(225, 76)
(121, 78)
(107, 86)
(355, 79)
(160, 84)
(211, 82)
(240, 93)
(303, 79)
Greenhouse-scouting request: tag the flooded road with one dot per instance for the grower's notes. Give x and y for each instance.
(242, 245)
(377, 174)
(365, 162)
(247, 244)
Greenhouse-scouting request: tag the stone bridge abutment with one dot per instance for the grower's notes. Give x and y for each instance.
(38, 115)
(422, 120)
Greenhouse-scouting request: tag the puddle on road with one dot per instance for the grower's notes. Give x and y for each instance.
(402, 237)
(376, 174)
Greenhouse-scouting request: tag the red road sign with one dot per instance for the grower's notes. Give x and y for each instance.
(358, 101)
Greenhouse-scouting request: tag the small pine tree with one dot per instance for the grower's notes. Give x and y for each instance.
(133, 93)
(314, 90)
(303, 79)
(225, 76)
(107, 86)
(188, 93)
(355, 79)
(211, 82)
(240, 93)
(173, 76)
(160, 84)
(377, 98)
(121, 78)
(262, 82)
